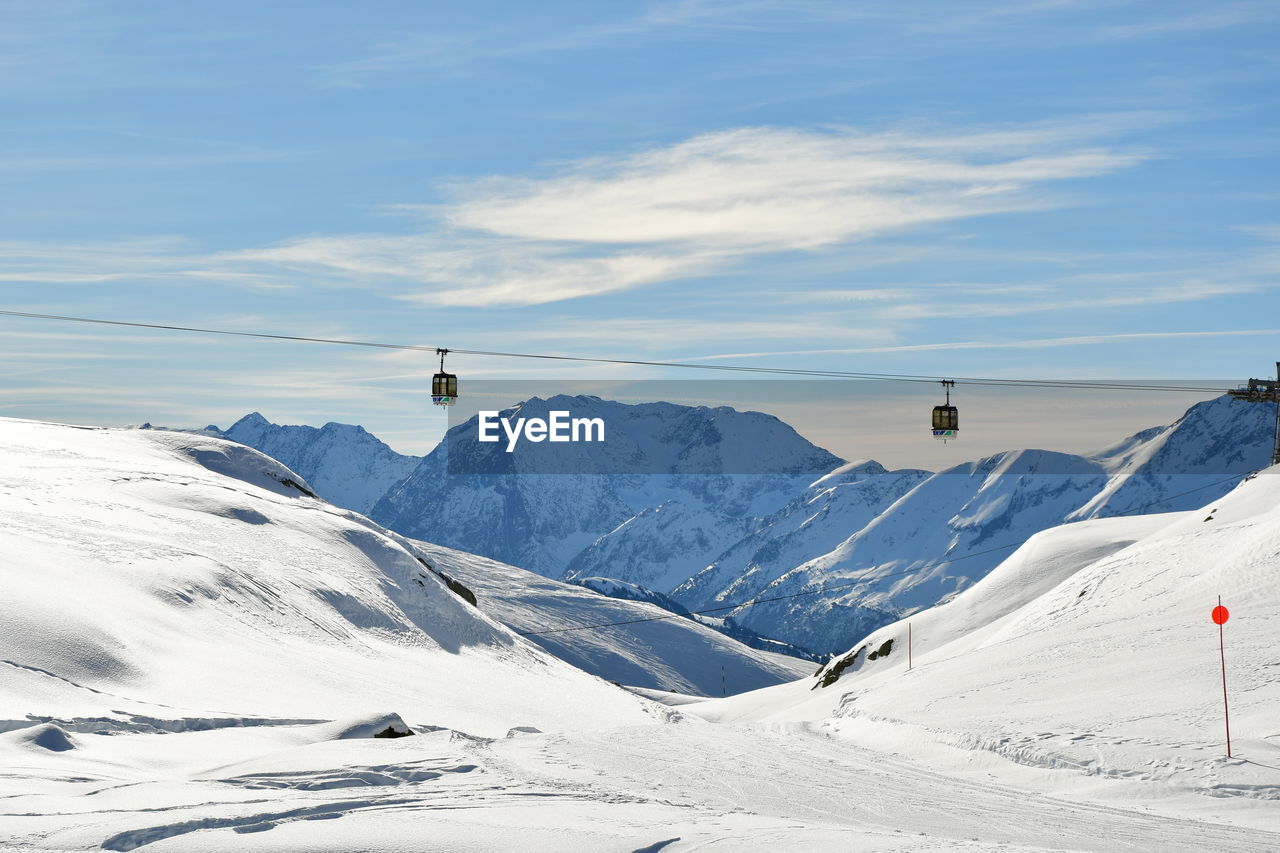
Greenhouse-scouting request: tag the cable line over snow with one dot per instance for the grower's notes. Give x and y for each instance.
(732, 368)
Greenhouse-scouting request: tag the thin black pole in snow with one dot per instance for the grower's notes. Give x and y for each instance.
(724, 683)
(1220, 615)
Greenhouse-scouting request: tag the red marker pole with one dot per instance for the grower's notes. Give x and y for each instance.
(1220, 615)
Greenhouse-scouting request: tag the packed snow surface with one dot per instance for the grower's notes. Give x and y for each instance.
(198, 656)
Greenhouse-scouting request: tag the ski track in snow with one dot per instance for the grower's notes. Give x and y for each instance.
(690, 786)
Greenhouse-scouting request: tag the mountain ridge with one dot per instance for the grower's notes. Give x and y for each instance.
(724, 539)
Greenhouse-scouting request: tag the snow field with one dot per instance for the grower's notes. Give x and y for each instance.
(1089, 658)
(195, 652)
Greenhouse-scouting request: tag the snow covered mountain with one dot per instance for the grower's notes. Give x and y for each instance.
(345, 464)
(680, 465)
(1213, 439)
(884, 543)
(349, 579)
(952, 528)
(660, 546)
(815, 522)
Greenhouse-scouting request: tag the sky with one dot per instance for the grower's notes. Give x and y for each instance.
(1045, 189)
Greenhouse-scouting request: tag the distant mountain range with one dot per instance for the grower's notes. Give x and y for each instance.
(544, 522)
(881, 543)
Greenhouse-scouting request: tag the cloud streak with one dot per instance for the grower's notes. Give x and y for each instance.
(701, 207)
(1035, 343)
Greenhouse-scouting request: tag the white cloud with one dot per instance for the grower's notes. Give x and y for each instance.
(464, 270)
(768, 189)
(632, 334)
(1211, 17)
(699, 207)
(716, 205)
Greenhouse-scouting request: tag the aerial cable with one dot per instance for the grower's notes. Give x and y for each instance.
(783, 371)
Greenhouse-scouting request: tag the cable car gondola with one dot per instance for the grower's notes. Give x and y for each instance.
(444, 386)
(946, 418)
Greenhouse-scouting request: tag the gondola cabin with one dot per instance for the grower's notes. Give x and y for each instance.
(946, 418)
(444, 386)
(444, 389)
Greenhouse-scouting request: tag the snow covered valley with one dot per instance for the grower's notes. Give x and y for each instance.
(196, 654)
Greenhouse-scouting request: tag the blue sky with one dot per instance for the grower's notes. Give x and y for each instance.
(1047, 189)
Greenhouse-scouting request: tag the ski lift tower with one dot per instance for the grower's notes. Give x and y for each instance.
(1264, 391)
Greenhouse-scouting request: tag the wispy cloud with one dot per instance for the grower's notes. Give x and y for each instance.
(153, 260)
(932, 25)
(1034, 343)
(419, 51)
(26, 163)
(1207, 18)
(638, 334)
(1133, 295)
(699, 207)
(709, 208)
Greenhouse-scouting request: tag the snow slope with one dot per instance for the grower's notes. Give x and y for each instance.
(166, 576)
(825, 515)
(1088, 660)
(660, 546)
(953, 527)
(663, 653)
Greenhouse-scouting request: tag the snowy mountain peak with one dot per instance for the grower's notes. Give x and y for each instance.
(543, 506)
(850, 472)
(253, 421)
(1030, 462)
(641, 438)
(1222, 435)
(345, 463)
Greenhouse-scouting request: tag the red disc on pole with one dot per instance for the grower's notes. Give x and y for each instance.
(1220, 615)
